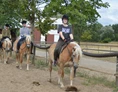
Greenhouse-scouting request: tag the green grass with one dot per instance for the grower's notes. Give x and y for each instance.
(88, 80)
(97, 80)
(40, 64)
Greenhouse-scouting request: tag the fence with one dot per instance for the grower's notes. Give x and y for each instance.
(111, 51)
(107, 51)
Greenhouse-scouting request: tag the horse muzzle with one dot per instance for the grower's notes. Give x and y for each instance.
(28, 45)
(7, 50)
(75, 65)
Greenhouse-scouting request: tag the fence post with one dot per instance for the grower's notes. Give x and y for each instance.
(34, 50)
(116, 71)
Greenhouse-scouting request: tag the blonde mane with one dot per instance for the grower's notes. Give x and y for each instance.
(8, 40)
(28, 37)
(77, 48)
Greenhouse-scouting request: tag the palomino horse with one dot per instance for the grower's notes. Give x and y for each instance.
(69, 57)
(25, 49)
(6, 48)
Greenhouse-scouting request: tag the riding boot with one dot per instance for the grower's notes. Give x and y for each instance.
(56, 56)
(18, 45)
(31, 48)
(0, 44)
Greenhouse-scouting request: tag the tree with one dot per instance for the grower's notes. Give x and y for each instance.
(107, 33)
(115, 28)
(80, 12)
(86, 36)
(95, 31)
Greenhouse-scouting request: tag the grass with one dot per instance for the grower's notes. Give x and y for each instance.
(97, 80)
(40, 64)
(88, 80)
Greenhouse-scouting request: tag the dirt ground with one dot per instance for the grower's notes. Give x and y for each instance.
(13, 79)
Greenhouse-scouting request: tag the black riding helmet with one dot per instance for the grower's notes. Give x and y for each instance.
(65, 17)
(24, 22)
(7, 25)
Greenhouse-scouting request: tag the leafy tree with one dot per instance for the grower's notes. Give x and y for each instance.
(95, 31)
(115, 28)
(107, 32)
(80, 12)
(86, 36)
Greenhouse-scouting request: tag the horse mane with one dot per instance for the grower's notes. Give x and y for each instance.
(28, 37)
(8, 40)
(77, 48)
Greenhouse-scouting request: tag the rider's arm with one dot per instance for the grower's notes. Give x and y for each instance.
(71, 36)
(61, 34)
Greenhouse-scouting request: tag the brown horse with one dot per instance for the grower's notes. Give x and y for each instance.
(25, 49)
(69, 57)
(6, 48)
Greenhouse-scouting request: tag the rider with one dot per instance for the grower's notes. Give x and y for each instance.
(23, 31)
(65, 35)
(5, 34)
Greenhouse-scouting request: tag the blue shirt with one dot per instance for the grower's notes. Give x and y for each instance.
(25, 31)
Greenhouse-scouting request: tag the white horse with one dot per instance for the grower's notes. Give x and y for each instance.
(6, 48)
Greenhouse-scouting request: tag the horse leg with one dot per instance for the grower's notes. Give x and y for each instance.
(4, 56)
(21, 60)
(61, 75)
(71, 75)
(50, 69)
(17, 60)
(7, 57)
(28, 55)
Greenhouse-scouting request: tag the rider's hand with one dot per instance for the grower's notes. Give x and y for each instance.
(65, 40)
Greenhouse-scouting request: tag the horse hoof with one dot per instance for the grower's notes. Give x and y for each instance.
(20, 68)
(49, 80)
(27, 69)
(5, 63)
(62, 86)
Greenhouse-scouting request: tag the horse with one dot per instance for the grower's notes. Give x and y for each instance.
(25, 49)
(69, 57)
(6, 48)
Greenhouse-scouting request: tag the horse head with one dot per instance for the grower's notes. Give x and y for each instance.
(28, 41)
(7, 44)
(76, 55)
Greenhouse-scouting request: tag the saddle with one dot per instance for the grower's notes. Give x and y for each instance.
(60, 50)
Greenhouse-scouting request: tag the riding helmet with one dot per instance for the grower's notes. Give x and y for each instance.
(65, 17)
(24, 22)
(7, 25)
